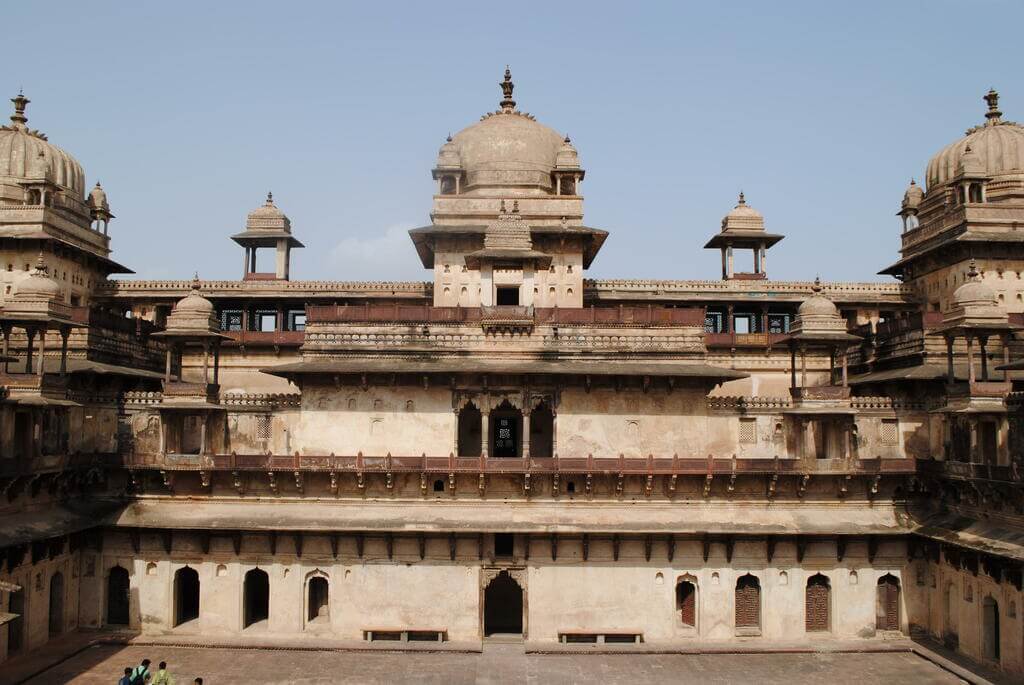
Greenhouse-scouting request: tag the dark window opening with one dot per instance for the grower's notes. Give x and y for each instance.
(56, 617)
(470, 435)
(570, 487)
(990, 629)
(503, 606)
(447, 185)
(318, 600)
(16, 626)
(508, 296)
(118, 596)
(686, 602)
(887, 606)
(506, 426)
(504, 544)
(438, 485)
(186, 595)
(542, 425)
(256, 592)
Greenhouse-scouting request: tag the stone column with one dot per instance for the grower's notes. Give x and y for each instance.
(525, 439)
(970, 358)
(950, 373)
(42, 352)
(485, 426)
(982, 341)
(64, 333)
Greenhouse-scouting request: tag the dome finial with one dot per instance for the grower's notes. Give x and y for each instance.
(972, 270)
(507, 103)
(270, 199)
(992, 98)
(196, 284)
(816, 288)
(20, 102)
(41, 263)
(743, 199)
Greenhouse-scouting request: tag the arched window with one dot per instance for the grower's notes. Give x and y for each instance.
(990, 628)
(817, 600)
(887, 605)
(117, 596)
(952, 612)
(438, 485)
(256, 597)
(542, 431)
(318, 595)
(470, 421)
(56, 617)
(748, 602)
(505, 431)
(686, 602)
(16, 626)
(974, 192)
(186, 595)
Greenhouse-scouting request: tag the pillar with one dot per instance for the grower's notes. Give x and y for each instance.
(245, 261)
(730, 265)
(725, 265)
(42, 353)
(525, 441)
(30, 333)
(845, 366)
(5, 330)
(485, 426)
(167, 370)
(64, 333)
(970, 358)
(281, 270)
(950, 373)
(202, 432)
(982, 341)
(216, 362)
(792, 365)
(206, 362)
(803, 366)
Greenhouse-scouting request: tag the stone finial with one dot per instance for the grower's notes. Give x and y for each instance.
(972, 271)
(743, 199)
(196, 283)
(449, 138)
(992, 98)
(270, 199)
(515, 206)
(567, 141)
(41, 263)
(507, 103)
(501, 210)
(20, 103)
(816, 288)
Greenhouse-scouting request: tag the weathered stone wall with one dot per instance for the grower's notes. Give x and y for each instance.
(35, 579)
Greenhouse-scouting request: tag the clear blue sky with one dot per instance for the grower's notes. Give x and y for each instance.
(820, 111)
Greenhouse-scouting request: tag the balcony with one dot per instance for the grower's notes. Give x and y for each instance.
(190, 394)
(583, 316)
(731, 340)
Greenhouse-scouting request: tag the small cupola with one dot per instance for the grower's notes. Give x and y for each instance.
(567, 172)
(743, 228)
(267, 226)
(448, 173)
(99, 208)
(911, 202)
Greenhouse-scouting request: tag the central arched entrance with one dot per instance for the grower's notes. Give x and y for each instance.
(503, 606)
(56, 617)
(118, 597)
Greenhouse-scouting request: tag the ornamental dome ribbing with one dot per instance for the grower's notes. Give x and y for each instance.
(507, 148)
(997, 145)
(20, 151)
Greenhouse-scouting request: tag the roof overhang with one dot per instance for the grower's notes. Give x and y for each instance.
(424, 236)
(265, 239)
(743, 239)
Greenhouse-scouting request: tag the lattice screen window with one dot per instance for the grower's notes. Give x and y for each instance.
(263, 427)
(748, 431)
(890, 432)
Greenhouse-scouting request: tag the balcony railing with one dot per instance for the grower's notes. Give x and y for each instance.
(743, 339)
(425, 314)
(267, 338)
(451, 464)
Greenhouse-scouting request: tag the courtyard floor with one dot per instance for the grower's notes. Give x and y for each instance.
(502, 663)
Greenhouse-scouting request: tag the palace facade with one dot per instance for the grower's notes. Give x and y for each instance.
(511, 448)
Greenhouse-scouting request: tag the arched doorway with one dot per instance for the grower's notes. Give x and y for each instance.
(470, 422)
(16, 626)
(686, 602)
(951, 608)
(817, 601)
(990, 629)
(186, 595)
(748, 603)
(56, 622)
(256, 597)
(887, 604)
(117, 596)
(503, 606)
(506, 430)
(318, 600)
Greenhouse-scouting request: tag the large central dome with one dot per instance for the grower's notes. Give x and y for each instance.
(506, 148)
(27, 155)
(997, 144)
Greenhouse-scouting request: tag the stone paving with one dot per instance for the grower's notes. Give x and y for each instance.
(498, 664)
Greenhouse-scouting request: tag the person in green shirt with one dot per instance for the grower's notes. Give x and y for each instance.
(162, 676)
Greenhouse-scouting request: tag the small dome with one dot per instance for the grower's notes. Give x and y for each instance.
(974, 292)
(448, 155)
(970, 164)
(21, 149)
(567, 157)
(508, 148)
(743, 217)
(997, 144)
(817, 304)
(912, 198)
(194, 302)
(98, 198)
(38, 285)
(268, 217)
